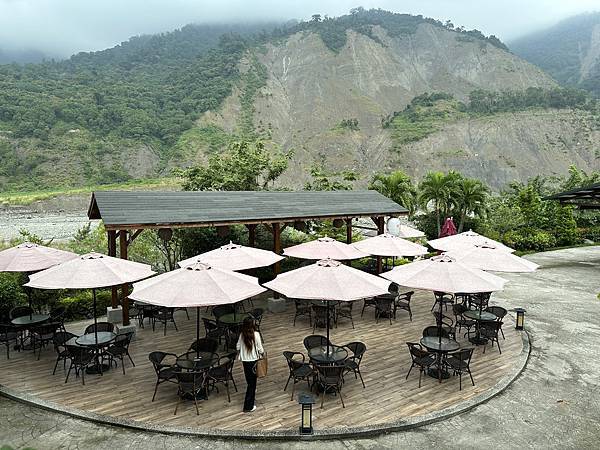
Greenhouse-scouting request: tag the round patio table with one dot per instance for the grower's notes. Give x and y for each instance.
(440, 347)
(321, 356)
(27, 320)
(478, 317)
(89, 340)
(233, 318)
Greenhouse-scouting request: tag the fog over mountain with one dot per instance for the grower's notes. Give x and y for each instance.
(32, 29)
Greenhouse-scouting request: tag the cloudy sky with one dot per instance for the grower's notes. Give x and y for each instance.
(63, 27)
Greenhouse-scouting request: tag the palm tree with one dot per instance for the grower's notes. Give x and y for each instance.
(437, 188)
(396, 186)
(469, 197)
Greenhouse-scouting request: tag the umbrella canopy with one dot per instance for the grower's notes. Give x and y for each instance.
(444, 274)
(29, 257)
(448, 229)
(197, 285)
(390, 246)
(489, 257)
(406, 232)
(89, 271)
(328, 280)
(235, 257)
(465, 239)
(324, 248)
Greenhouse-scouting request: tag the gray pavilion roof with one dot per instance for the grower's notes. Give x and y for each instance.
(587, 197)
(162, 209)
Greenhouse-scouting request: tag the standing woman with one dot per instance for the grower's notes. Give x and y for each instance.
(250, 350)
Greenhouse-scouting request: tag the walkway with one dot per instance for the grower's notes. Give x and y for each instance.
(555, 403)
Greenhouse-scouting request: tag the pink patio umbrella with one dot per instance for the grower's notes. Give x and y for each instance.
(28, 258)
(444, 274)
(465, 239)
(235, 257)
(324, 248)
(388, 245)
(448, 229)
(196, 285)
(328, 280)
(489, 257)
(90, 271)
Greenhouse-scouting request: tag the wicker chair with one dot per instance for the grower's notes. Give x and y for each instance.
(222, 373)
(300, 370)
(41, 335)
(384, 307)
(20, 311)
(331, 379)
(302, 308)
(80, 358)
(444, 298)
(221, 310)
(213, 330)
(204, 345)
(8, 335)
(420, 357)
(120, 348)
(59, 340)
(344, 310)
(320, 316)
(100, 327)
(459, 361)
(352, 364)
(460, 321)
(58, 315)
(164, 316)
(165, 373)
(402, 301)
(190, 384)
(490, 330)
(480, 300)
(368, 303)
(500, 313)
(315, 340)
(446, 322)
(434, 331)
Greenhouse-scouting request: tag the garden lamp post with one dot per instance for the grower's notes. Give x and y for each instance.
(306, 401)
(520, 318)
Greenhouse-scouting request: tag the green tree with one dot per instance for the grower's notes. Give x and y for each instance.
(397, 186)
(245, 166)
(437, 189)
(470, 197)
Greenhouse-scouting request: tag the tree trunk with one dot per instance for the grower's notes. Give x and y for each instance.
(439, 227)
(463, 214)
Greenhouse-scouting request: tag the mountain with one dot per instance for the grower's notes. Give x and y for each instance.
(339, 89)
(569, 51)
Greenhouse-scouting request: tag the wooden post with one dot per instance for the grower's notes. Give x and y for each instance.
(124, 288)
(380, 229)
(112, 251)
(251, 234)
(349, 231)
(276, 249)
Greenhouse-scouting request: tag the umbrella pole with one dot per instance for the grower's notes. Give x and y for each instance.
(197, 331)
(29, 292)
(95, 320)
(327, 329)
(440, 322)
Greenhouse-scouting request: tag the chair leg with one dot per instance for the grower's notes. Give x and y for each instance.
(420, 375)
(227, 388)
(471, 375)
(83, 375)
(155, 389)
(502, 333)
(322, 398)
(411, 366)
(293, 388)
(409, 314)
(341, 398)
(55, 365)
(352, 321)
(460, 380)
(175, 325)
(498, 344)
(68, 373)
(122, 364)
(177, 405)
(187, 314)
(132, 363)
(288, 382)
(361, 378)
(165, 329)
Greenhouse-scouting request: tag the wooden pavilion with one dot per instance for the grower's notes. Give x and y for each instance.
(127, 213)
(584, 198)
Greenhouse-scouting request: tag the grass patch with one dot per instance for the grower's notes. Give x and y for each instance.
(29, 197)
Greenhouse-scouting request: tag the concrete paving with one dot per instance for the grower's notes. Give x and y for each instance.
(555, 403)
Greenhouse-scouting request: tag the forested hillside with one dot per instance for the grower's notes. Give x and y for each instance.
(568, 51)
(323, 87)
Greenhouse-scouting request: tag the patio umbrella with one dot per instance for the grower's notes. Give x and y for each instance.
(444, 274)
(234, 257)
(448, 229)
(324, 248)
(328, 280)
(90, 271)
(388, 245)
(465, 239)
(29, 257)
(406, 232)
(196, 285)
(489, 257)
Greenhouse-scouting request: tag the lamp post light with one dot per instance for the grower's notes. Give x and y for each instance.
(306, 401)
(520, 318)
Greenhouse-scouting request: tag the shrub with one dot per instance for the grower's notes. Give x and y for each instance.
(79, 304)
(11, 292)
(529, 239)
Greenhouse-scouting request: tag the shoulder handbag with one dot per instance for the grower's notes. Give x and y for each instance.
(262, 364)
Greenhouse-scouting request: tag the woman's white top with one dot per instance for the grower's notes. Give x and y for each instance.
(254, 353)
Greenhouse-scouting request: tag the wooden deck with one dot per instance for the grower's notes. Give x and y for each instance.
(388, 396)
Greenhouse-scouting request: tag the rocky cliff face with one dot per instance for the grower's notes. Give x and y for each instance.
(310, 90)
